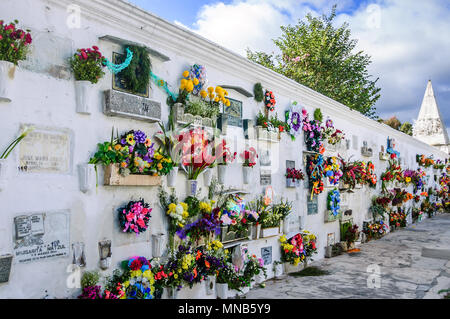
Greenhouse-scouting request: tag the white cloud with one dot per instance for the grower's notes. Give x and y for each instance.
(406, 39)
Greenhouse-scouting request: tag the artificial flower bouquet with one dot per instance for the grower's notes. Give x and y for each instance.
(87, 64)
(134, 217)
(14, 42)
(375, 230)
(439, 164)
(332, 170)
(292, 250)
(133, 151)
(351, 235)
(294, 174)
(332, 135)
(249, 157)
(334, 202)
(397, 218)
(422, 160)
(269, 100)
(313, 133)
(314, 169)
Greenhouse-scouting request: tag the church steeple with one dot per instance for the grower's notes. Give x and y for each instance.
(429, 127)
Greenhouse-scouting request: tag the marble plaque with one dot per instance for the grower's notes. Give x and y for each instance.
(5, 267)
(46, 150)
(265, 177)
(131, 106)
(41, 236)
(290, 164)
(312, 205)
(266, 255)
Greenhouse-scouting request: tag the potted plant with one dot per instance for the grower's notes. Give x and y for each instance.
(350, 236)
(293, 177)
(249, 156)
(4, 156)
(14, 45)
(224, 158)
(265, 130)
(87, 67)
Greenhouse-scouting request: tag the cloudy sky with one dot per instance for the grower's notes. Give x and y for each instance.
(407, 39)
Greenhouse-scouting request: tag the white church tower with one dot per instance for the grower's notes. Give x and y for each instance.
(429, 127)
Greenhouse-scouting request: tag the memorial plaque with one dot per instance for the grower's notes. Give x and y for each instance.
(234, 112)
(41, 236)
(266, 255)
(312, 205)
(265, 177)
(290, 164)
(131, 106)
(46, 151)
(5, 267)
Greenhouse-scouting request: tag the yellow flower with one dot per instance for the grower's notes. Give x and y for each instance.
(203, 94)
(210, 90)
(184, 205)
(126, 284)
(189, 86)
(186, 74)
(185, 214)
(158, 156)
(196, 81)
(216, 99)
(283, 239)
(159, 166)
(227, 103)
(117, 147)
(218, 89)
(175, 276)
(130, 139)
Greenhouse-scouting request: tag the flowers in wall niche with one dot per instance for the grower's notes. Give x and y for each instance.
(375, 230)
(134, 217)
(296, 249)
(334, 202)
(87, 65)
(424, 161)
(14, 42)
(134, 152)
(332, 170)
(249, 157)
(269, 100)
(397, 218)
(313, 133)
(294, 120)
(332, 135)
(314, 169)
(294, 174)
(439, 164)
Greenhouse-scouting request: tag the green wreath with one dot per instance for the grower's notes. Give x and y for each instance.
(137, 75)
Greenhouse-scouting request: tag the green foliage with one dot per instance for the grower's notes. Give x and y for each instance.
(89, 278)
(320, 56)
(202, 108)
(258, 92)
(407, 128)
(14, 42)
(193, 206)
(137, 75)
(106, 155)
(318, 116)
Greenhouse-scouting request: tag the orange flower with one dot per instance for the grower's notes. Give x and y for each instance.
(199, 254)
(195, 272)
(207, 264)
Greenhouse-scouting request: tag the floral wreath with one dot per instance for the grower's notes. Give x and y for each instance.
(269, 100)
(313, 133)
(140, 284)
(294, 119)
(134, 217)
(314, 168)
(332, 170)
(333, 201)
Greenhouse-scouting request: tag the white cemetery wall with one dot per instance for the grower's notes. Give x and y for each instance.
(44, 96)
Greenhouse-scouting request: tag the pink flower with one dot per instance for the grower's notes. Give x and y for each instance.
(10, 27)
(1, 37)
(95, 48)
(28, 39)
(84, 55)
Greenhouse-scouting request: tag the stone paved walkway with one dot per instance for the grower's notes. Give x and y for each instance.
(413, 262)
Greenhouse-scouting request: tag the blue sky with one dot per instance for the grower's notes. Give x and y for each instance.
(405, 38)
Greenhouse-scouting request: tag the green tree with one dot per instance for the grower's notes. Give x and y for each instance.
(407, 128)
(393, 122)
(320, 56)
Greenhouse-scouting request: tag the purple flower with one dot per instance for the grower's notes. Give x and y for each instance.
(140, 137)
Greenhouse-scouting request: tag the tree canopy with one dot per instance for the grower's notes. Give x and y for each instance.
(320, 56)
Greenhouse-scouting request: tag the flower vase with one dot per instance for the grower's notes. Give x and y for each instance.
(172, 177)
(171, 293)
(260, 278)
(278, 270)
(285, 228)
(222, 170)
(247, 174)
(86, 176)
(256, 232)
(3, 173)
(222, 291)
(84, 92)
(210, 285)
(207, 176)
(192, 187)
(291, 183)
(7, 71)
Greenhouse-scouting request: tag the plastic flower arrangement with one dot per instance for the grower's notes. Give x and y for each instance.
(397, 218)
(333, 202)
(314, 169)
(371, 177)
(233, 211)
(178, 214)
(294, 120)
(422, 160)
(313, 134)
(225, 156)
(292, 250)
(332, 135)
(211, 259)
(393, 172)
(269, 100)
(375, 230)
(215, 97)
(294, 174)
(14, 42)
(88, 64)
(353, 173)
(133, 151)
(134, 217)
(182, 268)
(196, 152)
(352, 234)
(162, 164)
(253, 267)
(207, 225)
(400, 196)
(332, 170)
(187, 84)
(249, 157)
(140, 283)
(438, 164)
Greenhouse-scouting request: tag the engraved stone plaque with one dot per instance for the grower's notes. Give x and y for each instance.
(312, 205)
(266, 255)
(5, 267)
(46, 151)
(131, 106)
(41, 236)
(265, 177)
